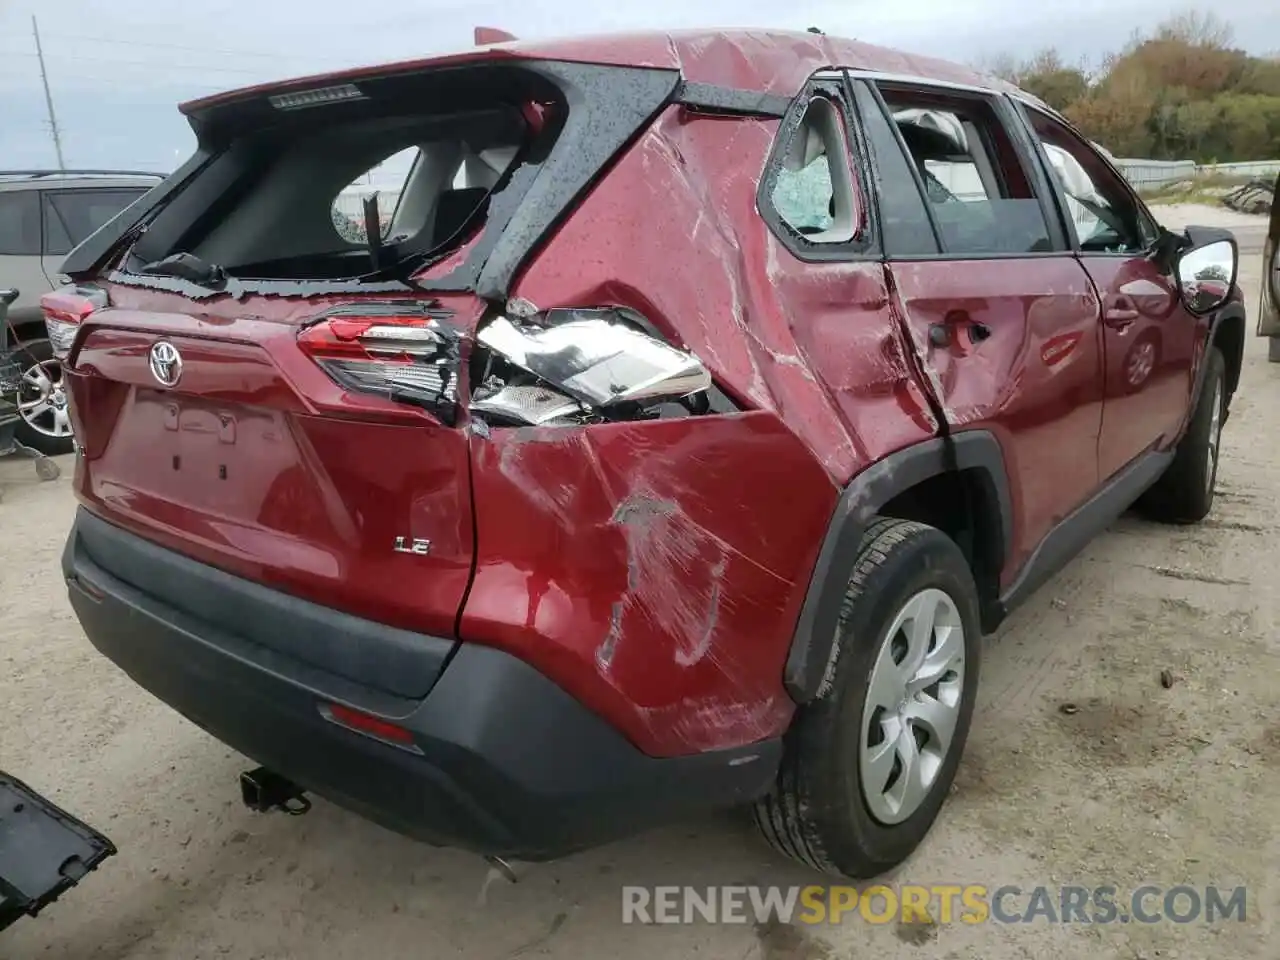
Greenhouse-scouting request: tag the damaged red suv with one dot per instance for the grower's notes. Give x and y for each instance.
(666, 443)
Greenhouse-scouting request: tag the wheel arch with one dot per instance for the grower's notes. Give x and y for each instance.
(1227, 334)
(973, 458)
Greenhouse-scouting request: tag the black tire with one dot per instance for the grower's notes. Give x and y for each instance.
(31, 352)
(1273, 349)
(1184, 492)
(817, 812)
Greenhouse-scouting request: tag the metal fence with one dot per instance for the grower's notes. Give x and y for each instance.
(1147, 174)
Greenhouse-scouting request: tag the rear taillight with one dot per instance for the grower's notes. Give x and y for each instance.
(583, 365)
(64, 313)
(408, 355)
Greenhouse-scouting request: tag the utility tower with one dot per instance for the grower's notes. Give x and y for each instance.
(48, 97)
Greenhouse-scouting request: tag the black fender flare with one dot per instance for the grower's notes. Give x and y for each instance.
(1232, 313)
(810, 657)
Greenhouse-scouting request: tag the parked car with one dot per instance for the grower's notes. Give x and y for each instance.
(671, 449)
(1269, 308)
(43, 215)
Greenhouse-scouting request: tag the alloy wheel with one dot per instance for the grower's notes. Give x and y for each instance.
(42, 400)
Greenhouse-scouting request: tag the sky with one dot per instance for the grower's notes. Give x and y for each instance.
(118, 69)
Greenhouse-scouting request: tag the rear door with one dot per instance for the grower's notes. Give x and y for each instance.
(1269, 308)
(1150, 340)
(1004, 320)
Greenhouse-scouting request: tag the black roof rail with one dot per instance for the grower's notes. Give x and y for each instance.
(81, 173)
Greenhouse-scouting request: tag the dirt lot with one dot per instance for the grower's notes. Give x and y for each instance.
(1138, 784)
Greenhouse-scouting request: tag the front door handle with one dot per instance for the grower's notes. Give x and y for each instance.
(1120, 313)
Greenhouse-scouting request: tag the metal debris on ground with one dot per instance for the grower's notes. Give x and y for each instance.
(1256, 196)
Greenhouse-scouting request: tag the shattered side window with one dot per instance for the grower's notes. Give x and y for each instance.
(813, 192)
(803, 198)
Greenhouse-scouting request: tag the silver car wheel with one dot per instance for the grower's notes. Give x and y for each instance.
(913, 705)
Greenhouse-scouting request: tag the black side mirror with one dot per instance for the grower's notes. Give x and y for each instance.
(1206, 268)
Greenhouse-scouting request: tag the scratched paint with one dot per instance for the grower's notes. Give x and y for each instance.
(655, 569)
(814, 343)
(639, 565)
(1033, 380)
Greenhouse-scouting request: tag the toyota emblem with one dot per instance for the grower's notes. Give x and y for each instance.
(166, 363)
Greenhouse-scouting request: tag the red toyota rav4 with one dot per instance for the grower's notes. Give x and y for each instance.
(668, 444)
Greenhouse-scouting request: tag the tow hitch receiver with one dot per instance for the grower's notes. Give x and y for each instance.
(44, 851)
(263, 791)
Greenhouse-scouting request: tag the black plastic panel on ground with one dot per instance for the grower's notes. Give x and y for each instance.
(44, 851)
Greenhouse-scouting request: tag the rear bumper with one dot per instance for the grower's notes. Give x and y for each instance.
(504, 761)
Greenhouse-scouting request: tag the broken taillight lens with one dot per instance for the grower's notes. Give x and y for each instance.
(408, 355)
(566, 364)
(64, 313)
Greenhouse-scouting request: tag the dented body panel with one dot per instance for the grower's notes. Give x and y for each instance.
(817, 344)
(579, 583)
(654, 569)
(770, 61)
(1033, 376)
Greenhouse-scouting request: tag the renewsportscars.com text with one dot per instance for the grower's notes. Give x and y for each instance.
(939, 903)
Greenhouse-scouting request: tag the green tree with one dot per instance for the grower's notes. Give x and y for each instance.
(1179, 91)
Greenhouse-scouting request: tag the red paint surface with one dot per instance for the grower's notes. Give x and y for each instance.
(1150, 351)
(651, 568)
(1035, 382)
(311, 502)
(770, 61)
(815, 343)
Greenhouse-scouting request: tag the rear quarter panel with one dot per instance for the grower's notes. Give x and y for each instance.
(658, 569)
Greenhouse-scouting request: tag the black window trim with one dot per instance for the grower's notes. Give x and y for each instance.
(1019, 106)
(863, 247)
(39, 222)
(887, 115)
(1059, 239)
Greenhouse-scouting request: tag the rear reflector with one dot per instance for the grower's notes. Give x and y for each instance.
(368, 724)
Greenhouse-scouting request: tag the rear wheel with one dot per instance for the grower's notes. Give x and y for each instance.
(42, 401)
(1184, 493)
(869, 763)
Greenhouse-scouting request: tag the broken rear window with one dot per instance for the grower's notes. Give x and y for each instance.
(347, 189)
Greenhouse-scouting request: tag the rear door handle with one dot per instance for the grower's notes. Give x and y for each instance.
(941, 334)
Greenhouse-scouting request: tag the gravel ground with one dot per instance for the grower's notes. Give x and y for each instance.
(1133, 783)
